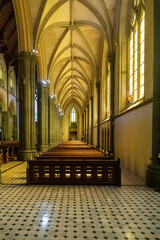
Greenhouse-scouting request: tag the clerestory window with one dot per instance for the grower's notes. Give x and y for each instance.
(137, 52)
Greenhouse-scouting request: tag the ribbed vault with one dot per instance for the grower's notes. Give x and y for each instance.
(69, 35)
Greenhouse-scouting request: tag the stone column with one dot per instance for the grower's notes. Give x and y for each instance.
(98, 114)
(82, 127)
(43, 95)
(15, 137)
(153, 171)
(56, 125)
(91, 99)
(111, 59)
(60, 128)
(85, 126)
(27, 128)
(51, 121)
(88, 124)
(5, 125)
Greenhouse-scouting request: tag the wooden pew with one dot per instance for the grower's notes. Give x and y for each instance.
(9, 149)
(74, 171)
(74, 163)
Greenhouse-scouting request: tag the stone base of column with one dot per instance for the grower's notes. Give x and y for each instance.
(43, 148)
(24, 155)
(51, 145)
(153, 176)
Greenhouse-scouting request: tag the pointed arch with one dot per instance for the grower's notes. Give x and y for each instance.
(3, 102)
(13, 107)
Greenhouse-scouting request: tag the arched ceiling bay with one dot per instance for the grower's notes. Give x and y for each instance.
(72, 33)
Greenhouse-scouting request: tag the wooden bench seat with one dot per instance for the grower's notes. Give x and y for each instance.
(8, 150)
(74, 163)
(74, 171)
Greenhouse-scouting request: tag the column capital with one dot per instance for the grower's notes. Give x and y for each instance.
(52, 98)
(24, 55)
(111, 57)
(43, 83)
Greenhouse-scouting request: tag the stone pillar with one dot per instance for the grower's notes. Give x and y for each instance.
(88, 124)
(91, 98)
(82, 127)
(15, 136)
(51, 121)
(111, 59)
(56, 125)
(60, 128)
(153, 171)
(85, 126)
(5, 125)
(27, 127)
(43, 95)
(98, 114)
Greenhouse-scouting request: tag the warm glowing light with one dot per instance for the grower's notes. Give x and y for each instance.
(1, 72)
(136, 60)
(73, 115)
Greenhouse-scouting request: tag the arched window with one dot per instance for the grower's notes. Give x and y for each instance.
(1, 76)
(137, 52)
(10, 81)
(108, 90)
(1, 72)
(73, 115)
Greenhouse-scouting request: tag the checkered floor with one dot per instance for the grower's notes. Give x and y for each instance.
(77, 212)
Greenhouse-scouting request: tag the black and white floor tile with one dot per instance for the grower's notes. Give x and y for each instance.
(77, 212)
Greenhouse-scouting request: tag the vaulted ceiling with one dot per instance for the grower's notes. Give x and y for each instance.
(8, 32)
(70, 35)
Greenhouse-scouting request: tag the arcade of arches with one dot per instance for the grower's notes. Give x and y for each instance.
(86, 70)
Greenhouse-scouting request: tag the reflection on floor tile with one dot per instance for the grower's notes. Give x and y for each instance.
(77, 212)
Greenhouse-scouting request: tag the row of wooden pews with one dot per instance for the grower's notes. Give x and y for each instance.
(74, 162)
(8, 151)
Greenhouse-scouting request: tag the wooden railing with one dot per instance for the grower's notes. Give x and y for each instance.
(74, 171)
(8, 150)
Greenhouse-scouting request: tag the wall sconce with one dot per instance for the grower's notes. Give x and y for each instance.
(130, 98)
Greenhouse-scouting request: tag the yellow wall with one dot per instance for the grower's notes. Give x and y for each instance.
(133, 139)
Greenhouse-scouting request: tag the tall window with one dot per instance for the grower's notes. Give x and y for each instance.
(1, 72)
(1, 76)
(137, 52)
(11, 81)
(73, 115)
(108, 90)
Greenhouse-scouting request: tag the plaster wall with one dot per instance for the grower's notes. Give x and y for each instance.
(133, 139)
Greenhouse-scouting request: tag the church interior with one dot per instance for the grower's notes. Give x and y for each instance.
(80, 92)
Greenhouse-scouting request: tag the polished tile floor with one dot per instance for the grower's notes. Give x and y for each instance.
(77, 212)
